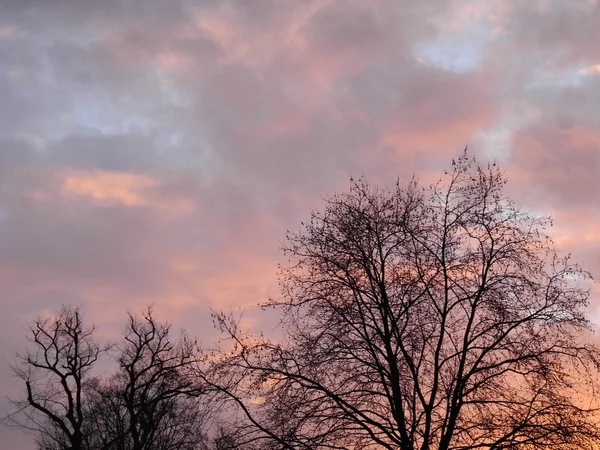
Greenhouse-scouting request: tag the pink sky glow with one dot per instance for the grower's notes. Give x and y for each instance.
(156, 151)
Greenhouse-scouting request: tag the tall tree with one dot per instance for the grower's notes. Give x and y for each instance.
(419, 318)
(55, 373)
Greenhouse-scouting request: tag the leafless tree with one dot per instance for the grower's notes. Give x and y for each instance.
(152, 402)
(225, 439)
(419, 318)
(55, 373)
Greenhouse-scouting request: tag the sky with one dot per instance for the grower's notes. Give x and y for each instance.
(155, 152)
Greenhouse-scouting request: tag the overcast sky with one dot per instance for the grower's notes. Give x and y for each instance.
(155, 151)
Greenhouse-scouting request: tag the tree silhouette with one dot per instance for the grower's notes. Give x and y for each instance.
(418, 318)
(412, 318)
(55, 373)
(152, 395)
(150, 403)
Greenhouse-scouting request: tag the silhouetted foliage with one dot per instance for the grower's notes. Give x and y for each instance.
(418, 318)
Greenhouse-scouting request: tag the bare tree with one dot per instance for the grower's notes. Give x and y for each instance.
(55, 373)
(152, 402)
(225, 440)
(418, 318)
(177, 423)
(107, 427)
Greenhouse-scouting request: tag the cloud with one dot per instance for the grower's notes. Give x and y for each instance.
(122, 188)
(550, 156)
(589, 70)
(565, 32)
(157, 151)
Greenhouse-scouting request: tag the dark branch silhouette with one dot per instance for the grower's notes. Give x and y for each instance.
(411, 318)
(159, 398)
(150, 403)
(418, 318)
(55, 373)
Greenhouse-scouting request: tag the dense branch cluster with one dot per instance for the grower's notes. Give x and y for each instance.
(411, 318)
(422, 318)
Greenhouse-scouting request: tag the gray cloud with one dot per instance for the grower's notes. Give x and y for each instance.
(156, 151)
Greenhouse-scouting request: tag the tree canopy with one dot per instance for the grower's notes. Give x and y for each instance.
(413, 317)
(418, 318)
(150, 403)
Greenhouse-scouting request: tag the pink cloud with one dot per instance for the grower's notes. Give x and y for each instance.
(127, 189)
(589, 70)
(560, 163)
(157, 153)
(123, 188)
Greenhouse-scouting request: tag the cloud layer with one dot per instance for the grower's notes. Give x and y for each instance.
(156, 152)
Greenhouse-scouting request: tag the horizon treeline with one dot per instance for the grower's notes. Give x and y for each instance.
(414, 317)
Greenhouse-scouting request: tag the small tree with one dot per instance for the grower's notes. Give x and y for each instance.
(55, 373)
(152, 402)
(420, 318)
